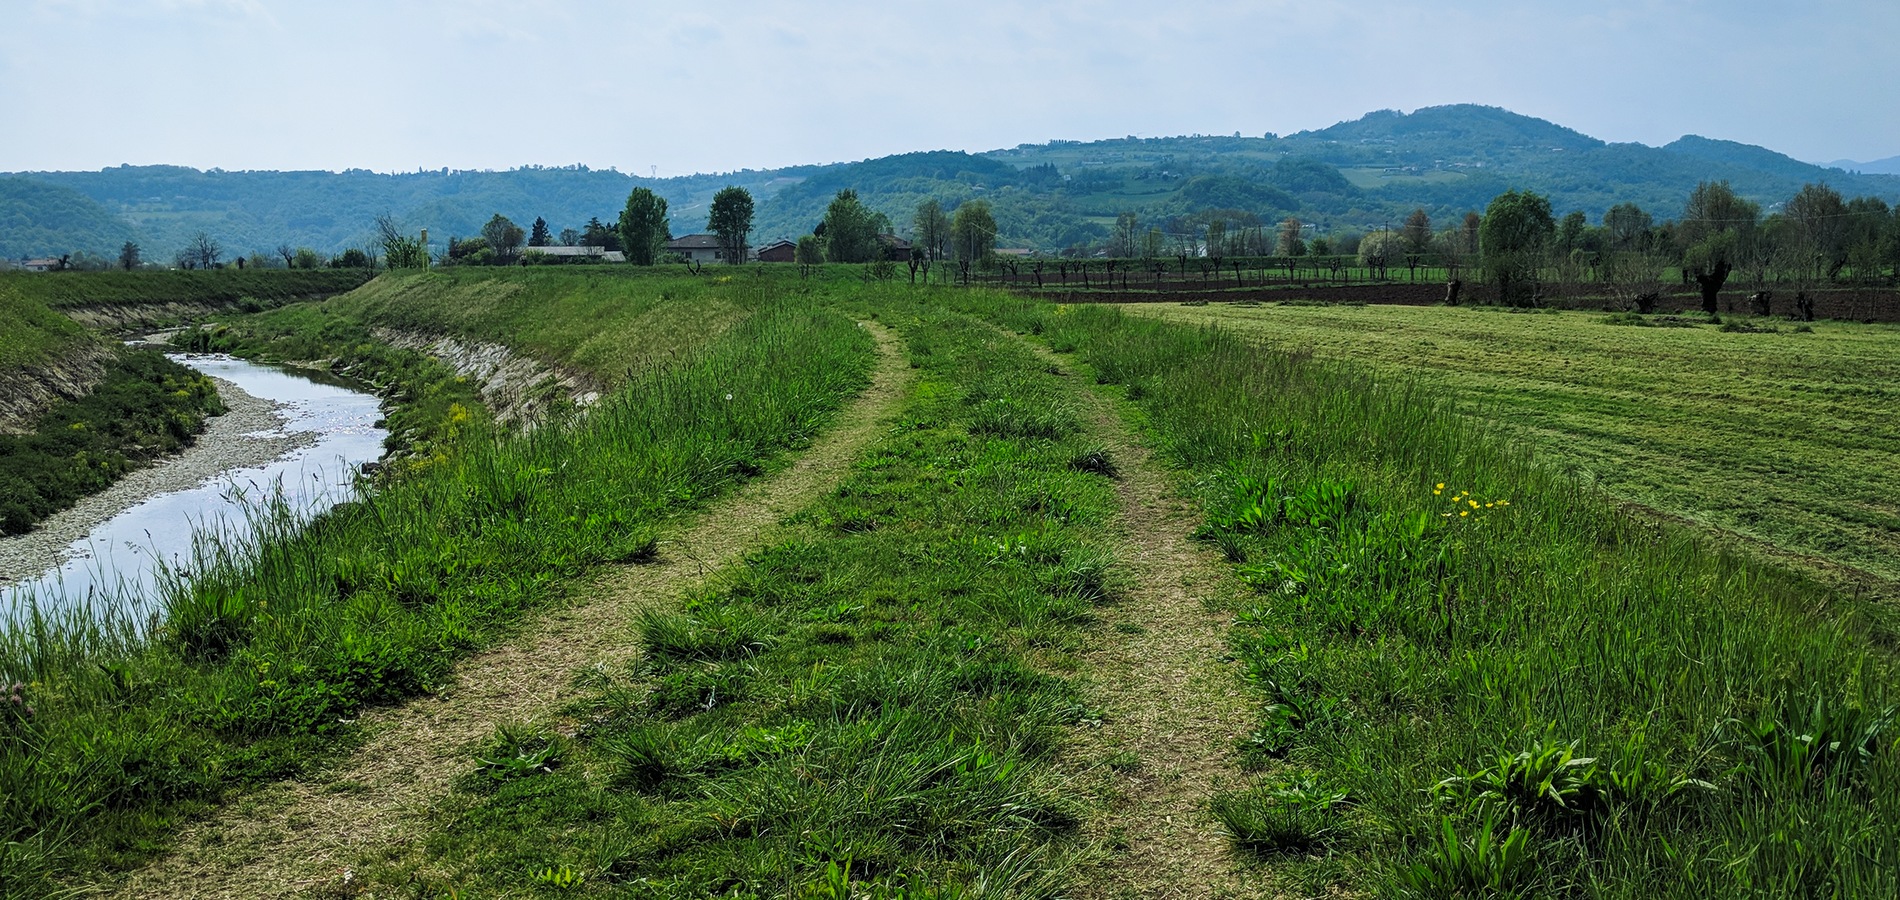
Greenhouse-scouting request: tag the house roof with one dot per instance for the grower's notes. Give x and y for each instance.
(694, 242)
(781, 242)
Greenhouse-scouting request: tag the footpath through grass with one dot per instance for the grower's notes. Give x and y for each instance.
(1788, 439)
(258, 664)
(1475, 679)
(867, 708)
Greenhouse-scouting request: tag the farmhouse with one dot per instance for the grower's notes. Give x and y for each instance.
(47, 264)
(697, 247)
(598, 254)
(779, 251)
(896, 248)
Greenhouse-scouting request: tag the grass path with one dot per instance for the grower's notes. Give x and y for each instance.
(296, 838)
(1174, 713)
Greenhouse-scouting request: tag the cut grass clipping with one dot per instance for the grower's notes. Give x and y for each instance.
(1475, 679)
(868, 708)
(262, 658)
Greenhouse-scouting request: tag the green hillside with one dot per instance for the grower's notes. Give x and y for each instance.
(40, 219)
(1359, 174)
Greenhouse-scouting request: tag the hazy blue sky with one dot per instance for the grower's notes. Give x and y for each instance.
(714, 86)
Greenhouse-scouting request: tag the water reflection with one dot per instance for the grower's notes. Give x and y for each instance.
(118, 562)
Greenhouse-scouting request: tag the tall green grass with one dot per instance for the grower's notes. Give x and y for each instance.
(62, 290)
(263, 654)
(35, 335)
(867, 708)
(1539, 698)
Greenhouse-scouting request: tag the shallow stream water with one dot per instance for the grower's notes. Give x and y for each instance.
(118, 563)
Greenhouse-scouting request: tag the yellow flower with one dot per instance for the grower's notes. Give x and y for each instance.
(1463, 513)
(1439, 486)
(1474, 503)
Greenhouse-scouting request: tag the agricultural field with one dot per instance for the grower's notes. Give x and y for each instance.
(881, 591)
(1782, 440)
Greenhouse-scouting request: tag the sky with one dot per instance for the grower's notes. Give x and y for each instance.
(678, 88)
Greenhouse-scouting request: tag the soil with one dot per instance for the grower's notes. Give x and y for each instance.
(300, 838)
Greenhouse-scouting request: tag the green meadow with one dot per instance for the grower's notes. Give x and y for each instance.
(1468, 669)
(1782, 440)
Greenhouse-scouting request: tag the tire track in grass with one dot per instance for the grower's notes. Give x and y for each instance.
(297, 838)
(1173, 710)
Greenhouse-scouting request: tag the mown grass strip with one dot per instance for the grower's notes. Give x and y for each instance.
(1784, 439)
(873, 702)
(262, 657)
(1476, 679)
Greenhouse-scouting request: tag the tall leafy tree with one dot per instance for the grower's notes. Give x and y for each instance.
(1290, 242)
(504, 237)
(731, 221)
(129, 256)
(538, 236)
(931, 228)
(1514, 236)
(1125, 240)
(644, 230)
(1626, 228)
(850, 229)
(973, 233)
(1418, 231)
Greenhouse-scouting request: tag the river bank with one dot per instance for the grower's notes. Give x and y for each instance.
(250, 433)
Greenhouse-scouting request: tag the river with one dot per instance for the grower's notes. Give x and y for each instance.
(285, 432)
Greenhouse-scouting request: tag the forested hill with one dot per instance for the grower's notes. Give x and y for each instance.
(1355, 174)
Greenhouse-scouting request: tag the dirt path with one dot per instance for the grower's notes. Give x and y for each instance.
(1174, 711)
(296, 838)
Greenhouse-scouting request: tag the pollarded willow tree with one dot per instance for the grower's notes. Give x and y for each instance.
(731, 222)
(1716, 230)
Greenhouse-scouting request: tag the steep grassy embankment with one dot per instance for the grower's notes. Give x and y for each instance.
(77, 413)
(217, 287)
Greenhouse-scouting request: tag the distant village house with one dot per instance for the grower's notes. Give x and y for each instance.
(779, 251)
(697, 248)
(598, 254)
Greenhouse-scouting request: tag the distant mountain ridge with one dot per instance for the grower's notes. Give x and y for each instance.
(1364, 173)
(1888, 166)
